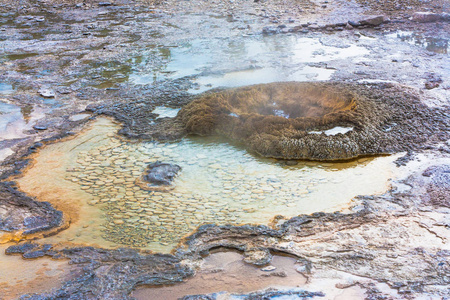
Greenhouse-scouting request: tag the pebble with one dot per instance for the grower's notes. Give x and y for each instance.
(46, 93)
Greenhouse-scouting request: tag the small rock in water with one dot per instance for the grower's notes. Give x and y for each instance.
(46, 93)
(258, 257)
(268, 269)
(161, 173)
(354, 23)
(40, 127)
(433, 81)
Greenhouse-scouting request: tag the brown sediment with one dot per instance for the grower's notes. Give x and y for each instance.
(305, 105)
(290, 120)
(19, 276)
(226, 271)
(278, 119)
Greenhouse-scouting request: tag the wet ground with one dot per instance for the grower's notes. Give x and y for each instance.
(20, 276)
(94, 177)
(64, 63)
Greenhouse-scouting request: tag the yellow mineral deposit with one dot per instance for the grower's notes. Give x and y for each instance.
(6, 237)
(91, 178)
(46, 181)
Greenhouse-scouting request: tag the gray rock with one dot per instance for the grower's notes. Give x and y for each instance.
(270, 30)
(425, 17)
(445, 17)
(20, 213)
(373, 20)
(268, 269)
(46, 93)
(258, 257)
(354, 23)
(159, 173)
(40, 127)
(20, 249)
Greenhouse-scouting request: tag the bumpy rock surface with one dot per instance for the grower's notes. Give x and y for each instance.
(21, 216)
(159, 173)
(437, 186)
(282, 119)
(158, 176)
(108, 274)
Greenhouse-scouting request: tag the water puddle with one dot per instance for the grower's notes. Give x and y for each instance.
(260, 60)
(6, 89)
(14, 120)
(103, 75)
(226, 275)
(334, 131)
(79, 117)
(19, 276)
(93, 181)
(432, 44)
(165, 112)
(257, 76)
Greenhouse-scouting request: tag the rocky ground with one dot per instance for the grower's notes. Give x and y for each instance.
(64, 62)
